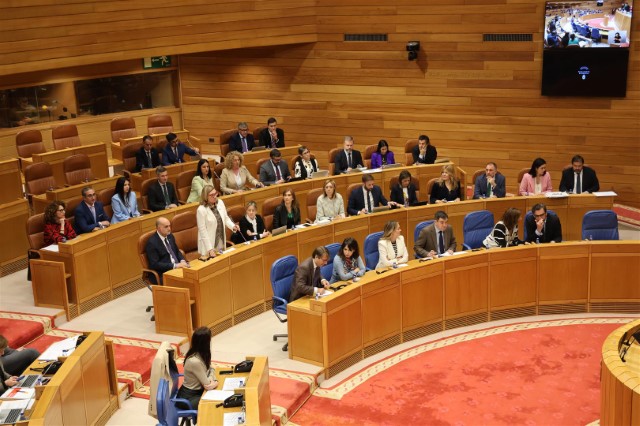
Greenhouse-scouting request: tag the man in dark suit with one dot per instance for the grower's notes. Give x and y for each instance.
(162, 251)
(272, 136)
(542, 227)
(424, 152)
(578, 178)
(308, 279)
(275, 170)
(147, 157)
(162, 194)
(89, 215)
(174, 150)
(436, 238)
(366, 197)
(491, 184)
(243, 140)
(348, 158)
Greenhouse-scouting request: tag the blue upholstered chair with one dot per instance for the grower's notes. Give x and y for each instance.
(282, 272)
(166, 400)
(419, 228)
(371, 250)
(600, 225)
(327, 270)
(476, 227)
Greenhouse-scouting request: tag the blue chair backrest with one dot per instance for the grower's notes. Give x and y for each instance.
(371, 250)
(600, 225)
(163, 400)
(476, 227)
(527, 216)
(282, 272)
(595, 33)
(327, 270)
(419, 228)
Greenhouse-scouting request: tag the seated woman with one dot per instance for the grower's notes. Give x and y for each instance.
(288, 212)
(391, 247)
(251, 224)
(404, 193)
(198, 374)
(382, 156)
(57, 228)
(347, 264)
(203, 177)
(505, 232)
(305, 165)
(211, 218)
(234, 176)
(537, 180)
(330, 205)
(124, 203)
(446, 188)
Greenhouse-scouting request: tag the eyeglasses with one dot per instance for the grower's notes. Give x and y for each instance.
(61, 210)
(243, 130)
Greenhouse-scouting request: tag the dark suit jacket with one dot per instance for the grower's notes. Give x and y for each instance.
(158, 256)
(428, 240)
(169, 158)
(589, 180)
(246, 226)
(235, 142)
(141, 159)
(303, 280)
(265, 138)
(430, 158)
(280, 216)
(83, 219)
(155, 199)
(341, 164)
(480, 189)
(268, 174)
(356, 199)
(441, 192)
(552, 230)
(398, 196)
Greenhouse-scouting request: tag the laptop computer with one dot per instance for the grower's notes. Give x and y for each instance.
(279, 231)
(419, 203)
(258, 148)
(390, 166)
(29, 381)
(320, 174)
(10, 415)
(380, 209)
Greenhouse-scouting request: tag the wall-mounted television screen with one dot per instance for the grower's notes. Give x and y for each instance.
(586, 48)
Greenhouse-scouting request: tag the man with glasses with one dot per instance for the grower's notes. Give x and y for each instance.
(161, 194)
(174, 150)
(243, 140)
(90, 215)
(147, 157)
(491, 184)
(275, 170)
(542, 226)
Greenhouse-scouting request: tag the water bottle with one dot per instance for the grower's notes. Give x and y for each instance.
(395, 264)
(317, 296)
(590, 237)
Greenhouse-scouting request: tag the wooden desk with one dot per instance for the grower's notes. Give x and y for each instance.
(13, 219)
(174, 170)
(620, 381)
(97, 154)
(11, 181)
(68, 193)
(382, 311)
(256, 394)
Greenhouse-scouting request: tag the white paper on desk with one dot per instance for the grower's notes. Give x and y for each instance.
(235, 418)
(19, 393)
(53, 247)
(365, 170)
(14, 404)
(231, 383)
(402, 265)
(556, 194)
(216, 395)
(445, 254)
(326, 293)
(62, 348)
(455, 253)
(605, 194)
(229, 250)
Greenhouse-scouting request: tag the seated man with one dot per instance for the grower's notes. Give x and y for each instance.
(275, 170)
(174, 150)
(147, 157)
(366, 197)
(491, 184)
(436, 238)
(579, 178)
(272, 136)
(424, 152)
(348, 158)
(308, 279)
(162, 194)
(90, 215)
(15, 361)
(542, 227)
(243, 140)
(162, 251)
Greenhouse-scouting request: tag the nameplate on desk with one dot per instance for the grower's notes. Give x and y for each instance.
(605, 194)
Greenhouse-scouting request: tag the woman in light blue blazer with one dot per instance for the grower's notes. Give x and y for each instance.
(123, 202)
(347, 264)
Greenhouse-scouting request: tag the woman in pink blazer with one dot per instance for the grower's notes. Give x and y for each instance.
(537, 180)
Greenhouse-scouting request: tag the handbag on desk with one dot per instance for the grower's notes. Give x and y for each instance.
(244, 366)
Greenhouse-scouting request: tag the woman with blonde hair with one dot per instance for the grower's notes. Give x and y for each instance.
(211, 218)
(446, 188)
(235, 175)
(391, 247)
(329, 205)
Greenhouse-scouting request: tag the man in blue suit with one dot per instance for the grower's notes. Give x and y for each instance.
(365, 198)
(89, 215)
(243, 140)
(174, 150)
(491, 184)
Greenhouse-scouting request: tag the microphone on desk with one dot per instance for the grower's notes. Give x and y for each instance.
(379, 272)
(242, 235)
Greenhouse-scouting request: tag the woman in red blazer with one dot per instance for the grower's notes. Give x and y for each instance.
(56, 227)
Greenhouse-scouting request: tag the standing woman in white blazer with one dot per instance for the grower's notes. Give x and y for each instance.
(212, 217)
(391, 247)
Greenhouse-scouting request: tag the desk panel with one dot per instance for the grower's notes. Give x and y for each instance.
(563, 273)
(13, 217)
(247, 279)
(11, 181)
(381, 309)
(611, 263)
(466, 285)
(422, 296)
(512, 278)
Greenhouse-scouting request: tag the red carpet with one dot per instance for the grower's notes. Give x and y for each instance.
(627, 214)
(21, 328)
(534, 374)
(599, 23)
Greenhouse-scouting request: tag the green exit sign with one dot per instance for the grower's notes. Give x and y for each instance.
(156, 62)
